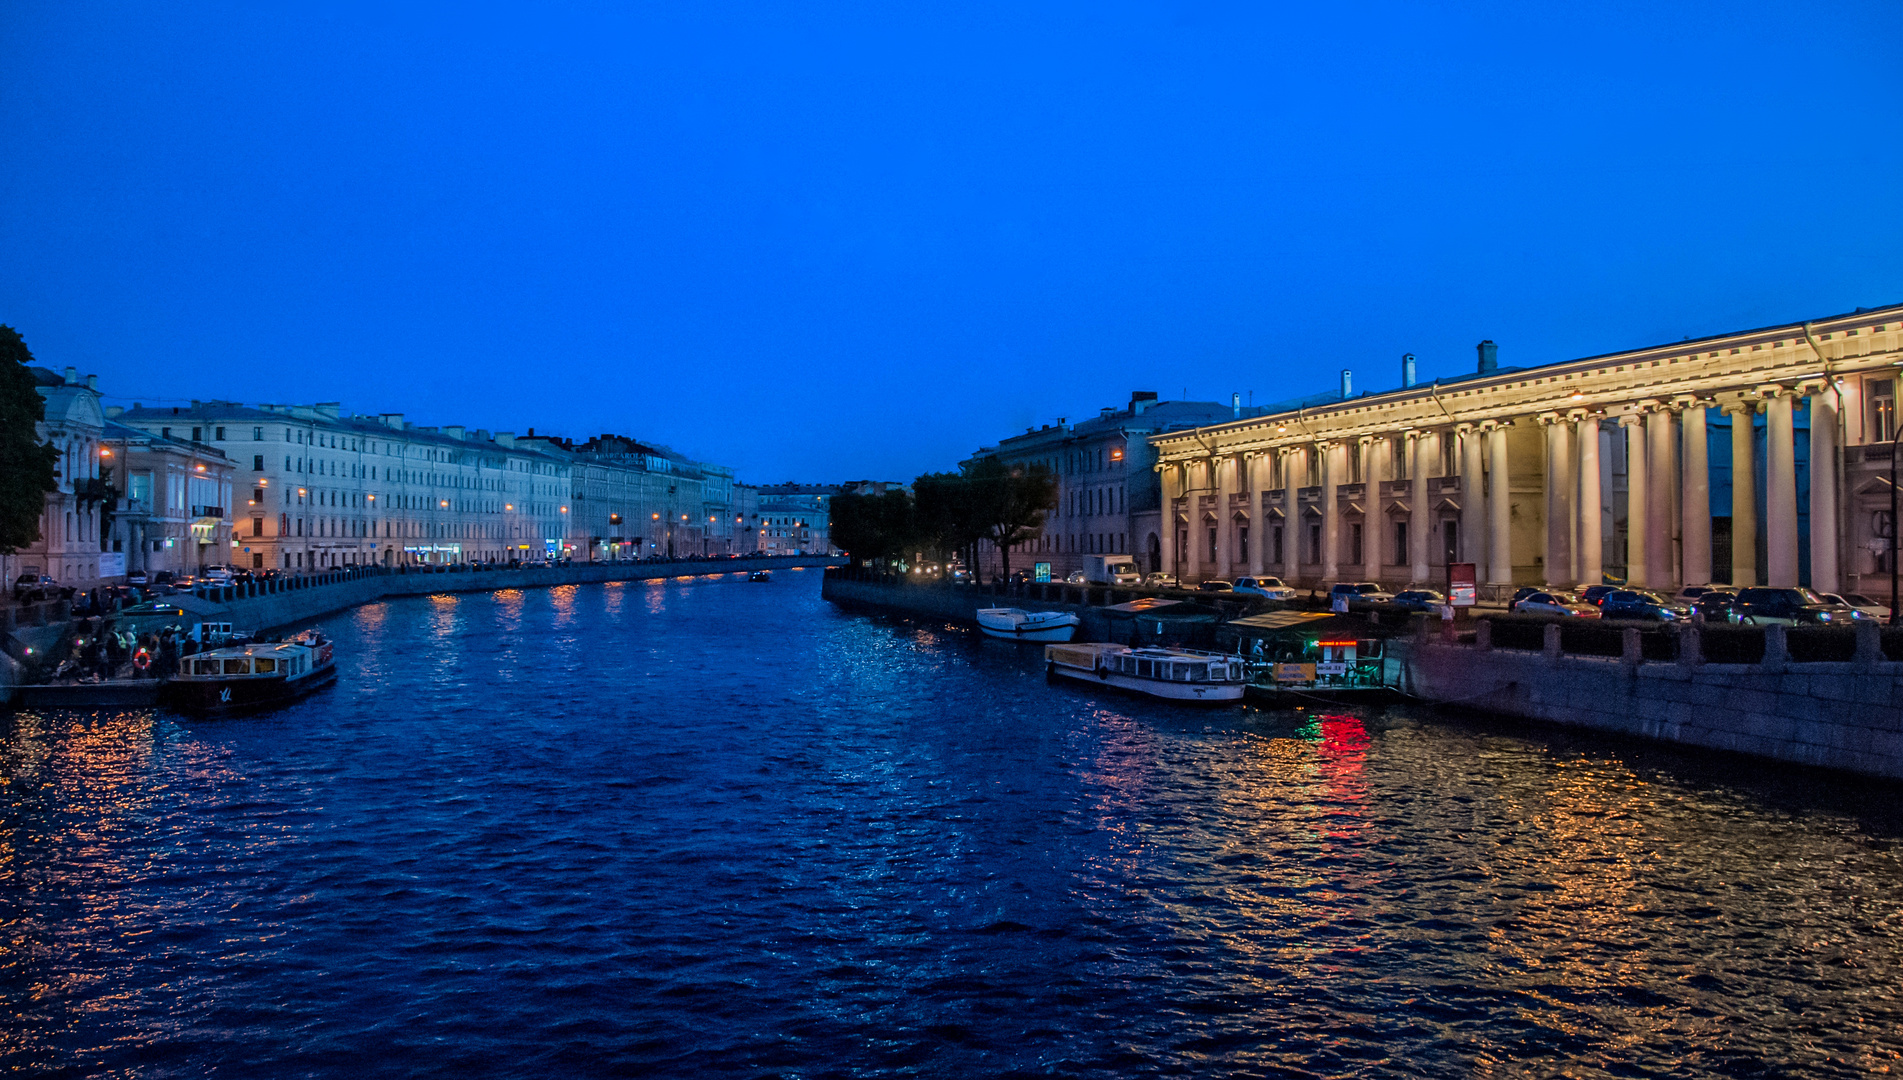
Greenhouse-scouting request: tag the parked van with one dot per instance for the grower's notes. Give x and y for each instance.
(1111, 570)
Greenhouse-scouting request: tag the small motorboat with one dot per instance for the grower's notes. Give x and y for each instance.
(1172, 674)
(252, 676)
(760, 575)
(1017, 624)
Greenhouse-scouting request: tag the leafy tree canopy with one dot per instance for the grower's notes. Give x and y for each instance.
(27, 465)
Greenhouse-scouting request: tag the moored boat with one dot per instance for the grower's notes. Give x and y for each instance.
(760, 575)
(1017, 624)
(1172, 674)
(252, 676)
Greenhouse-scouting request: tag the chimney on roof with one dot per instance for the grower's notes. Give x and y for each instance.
(1489, 357)
(92, 383)
(531, 433)
(1347, 384)
(1141, 400)
(1407, 370)
(72, 376)
(1235, 405)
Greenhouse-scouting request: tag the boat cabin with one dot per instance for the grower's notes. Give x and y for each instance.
(1172, 666)
(273, 661)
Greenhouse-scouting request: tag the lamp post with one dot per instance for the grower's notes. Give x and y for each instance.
(1896, 442)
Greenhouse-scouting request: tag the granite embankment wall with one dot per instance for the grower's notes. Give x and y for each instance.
(1843, 713)
(852, 588)
(281, 610)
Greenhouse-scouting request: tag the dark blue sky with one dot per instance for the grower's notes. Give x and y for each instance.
(824, 242)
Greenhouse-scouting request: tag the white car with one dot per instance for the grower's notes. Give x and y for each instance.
(1866, 605)
(215, 575)
(1270, 587)
(1159, 579)
(1540, 603)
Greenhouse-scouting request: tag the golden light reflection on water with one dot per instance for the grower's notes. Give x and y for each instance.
(562, 599)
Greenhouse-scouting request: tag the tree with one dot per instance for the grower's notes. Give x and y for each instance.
(27, 465)
(946, 516)
(872, 528)
(1009, 502)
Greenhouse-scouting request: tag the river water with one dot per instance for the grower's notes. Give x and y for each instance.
(707, 827)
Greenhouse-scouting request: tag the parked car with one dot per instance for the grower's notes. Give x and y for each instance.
(1714, 605)
(163, 577)
(1596, 594)
(1643, 605)
(1076, 578)
(1270, 587)
(1522, 593)
(1366, 592)
(1864, 605)
(1689, 594)
(136, 577)
(216, 576)
(1216, 585)
(1790, 607)
(30, 587)
(1160, 579)
(1419, 600)
(1543, 603)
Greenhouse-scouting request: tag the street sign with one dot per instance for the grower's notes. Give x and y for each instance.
(1461, 586)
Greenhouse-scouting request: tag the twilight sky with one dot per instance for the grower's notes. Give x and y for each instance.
(822, 241)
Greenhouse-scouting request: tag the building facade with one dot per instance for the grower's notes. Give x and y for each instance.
(1109, 496)
(316, 488)
(68, 547)
(631, 499)
(171, 503)
(1756, 457)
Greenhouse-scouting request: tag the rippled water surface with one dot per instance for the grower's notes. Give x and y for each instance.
(716, 828)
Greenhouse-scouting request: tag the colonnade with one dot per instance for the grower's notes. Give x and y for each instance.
(1662, 445)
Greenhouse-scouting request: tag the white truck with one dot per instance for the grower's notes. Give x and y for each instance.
(1111, 570)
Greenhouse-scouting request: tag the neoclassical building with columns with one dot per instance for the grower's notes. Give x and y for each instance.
(1756, 457)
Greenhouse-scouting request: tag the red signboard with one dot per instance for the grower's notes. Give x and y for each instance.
(1460, 584)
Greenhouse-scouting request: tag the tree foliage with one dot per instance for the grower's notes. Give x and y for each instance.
(874, 528)
(1008, 502)
(27, 465)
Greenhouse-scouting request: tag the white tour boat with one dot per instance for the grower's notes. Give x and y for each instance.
(1171, 674)
(252, 676)
(1017, 624)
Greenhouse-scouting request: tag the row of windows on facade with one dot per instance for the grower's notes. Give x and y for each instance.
(336, 442)
(1312, 546)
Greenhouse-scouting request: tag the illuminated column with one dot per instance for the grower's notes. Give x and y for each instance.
(1744, 502)
(1823, 489)
(1559, 500)
(1419, 519)
(1331, 512)
(1780, 492)
(1172, 490)
(1636, 489)
(1658, 517)
(1588, 551)
(1294, 467)
(1473, 501)
(1225, 467)
(1499, 508)
(1373, 524)
(1253, 469)
(1696, 497)
(1196, 477)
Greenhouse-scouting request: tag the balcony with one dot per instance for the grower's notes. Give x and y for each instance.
(208, 511)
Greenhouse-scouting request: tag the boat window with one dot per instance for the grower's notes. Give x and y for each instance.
(237, 665)
(1145, 669)
(266, 664)
(204, 667)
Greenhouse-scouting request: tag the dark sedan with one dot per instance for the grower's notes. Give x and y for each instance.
(1642, 605)
(1419, 600)
(1790, 607)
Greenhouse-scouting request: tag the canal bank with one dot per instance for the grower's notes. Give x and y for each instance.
(1826, 698)
(283, 603)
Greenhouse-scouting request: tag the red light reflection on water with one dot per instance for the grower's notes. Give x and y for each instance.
(1342, 761)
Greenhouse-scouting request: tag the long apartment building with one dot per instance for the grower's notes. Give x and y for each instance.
(631, 499)
(313, 487)
(1755, 457)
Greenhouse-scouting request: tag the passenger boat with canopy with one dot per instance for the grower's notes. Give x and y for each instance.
(1172, 674)
(1017, 624)
(250, 676)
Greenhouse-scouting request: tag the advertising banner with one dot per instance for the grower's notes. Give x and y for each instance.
(1462, 590)
(112, 564)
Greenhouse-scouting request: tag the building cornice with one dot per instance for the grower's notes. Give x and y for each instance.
(1742, 363)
